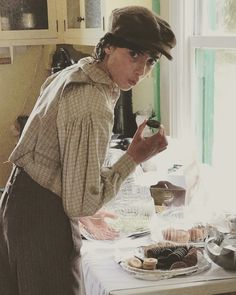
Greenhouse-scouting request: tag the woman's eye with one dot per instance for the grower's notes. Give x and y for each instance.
(152, 61)
(134, 54)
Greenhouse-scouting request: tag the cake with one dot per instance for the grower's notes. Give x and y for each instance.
(197, 233)
(176, 235)
(135, 262)
(149, 263)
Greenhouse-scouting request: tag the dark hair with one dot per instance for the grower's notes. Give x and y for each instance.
(110, 39)
(21, 120)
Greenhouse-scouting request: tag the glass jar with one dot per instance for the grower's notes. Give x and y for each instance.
(134, 208)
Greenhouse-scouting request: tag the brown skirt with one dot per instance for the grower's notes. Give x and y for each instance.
(39, 244)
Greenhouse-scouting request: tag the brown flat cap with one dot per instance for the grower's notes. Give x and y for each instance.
(143, 28)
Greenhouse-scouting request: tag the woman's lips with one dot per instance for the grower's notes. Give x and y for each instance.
(132, 82)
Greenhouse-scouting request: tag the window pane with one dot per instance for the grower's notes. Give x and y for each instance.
(216, 16)
(23, 15)
(225, 106)
(73, 14)
(216, 105)
(93, 14)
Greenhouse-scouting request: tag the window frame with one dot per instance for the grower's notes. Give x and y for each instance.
(175, 87)
(181, 78)
(156, 72)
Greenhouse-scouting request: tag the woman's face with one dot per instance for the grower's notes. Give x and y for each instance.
(126, 67)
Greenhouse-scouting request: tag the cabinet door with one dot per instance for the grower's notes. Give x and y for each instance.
(84, 21)
(28, 19)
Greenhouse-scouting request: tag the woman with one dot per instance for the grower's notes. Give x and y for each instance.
(58, 173)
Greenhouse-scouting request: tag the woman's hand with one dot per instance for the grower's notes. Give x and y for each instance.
(141, 149)
(98, 227)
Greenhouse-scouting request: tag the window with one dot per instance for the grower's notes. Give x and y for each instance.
(203, 81)
(215, 63)
(203, 77)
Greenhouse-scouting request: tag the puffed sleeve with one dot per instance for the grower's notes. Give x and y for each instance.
(84, 130)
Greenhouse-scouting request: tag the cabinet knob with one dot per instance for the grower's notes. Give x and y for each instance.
(80, 19)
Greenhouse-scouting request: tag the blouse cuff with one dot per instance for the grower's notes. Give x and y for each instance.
(124, 166)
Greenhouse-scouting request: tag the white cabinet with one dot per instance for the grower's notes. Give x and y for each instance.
(32, 22)
(28, 22)
(84, 21)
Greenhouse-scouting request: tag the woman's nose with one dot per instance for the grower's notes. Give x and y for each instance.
(141, 68)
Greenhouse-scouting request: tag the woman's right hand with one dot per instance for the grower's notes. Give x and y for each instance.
(141, 149)
(97, 226)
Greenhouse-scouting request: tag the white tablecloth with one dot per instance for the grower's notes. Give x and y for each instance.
(103, 275)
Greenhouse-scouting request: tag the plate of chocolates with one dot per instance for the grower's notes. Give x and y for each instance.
(157, 262)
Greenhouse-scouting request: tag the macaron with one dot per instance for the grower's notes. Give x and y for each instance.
(149, 263)
(135, 262)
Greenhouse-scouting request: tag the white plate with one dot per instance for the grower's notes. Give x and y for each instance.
(136, 234)
(157, 274)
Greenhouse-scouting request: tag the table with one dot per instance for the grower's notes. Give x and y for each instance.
(103, 276)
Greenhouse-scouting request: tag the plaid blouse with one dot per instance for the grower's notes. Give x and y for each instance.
(66, 138)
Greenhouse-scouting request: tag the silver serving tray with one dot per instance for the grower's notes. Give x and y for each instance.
(157, 274)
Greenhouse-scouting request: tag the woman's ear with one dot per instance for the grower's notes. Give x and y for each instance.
(108, 50)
